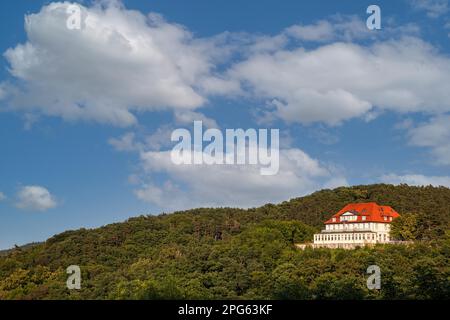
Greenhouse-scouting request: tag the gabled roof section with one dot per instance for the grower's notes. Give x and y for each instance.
(371, 212)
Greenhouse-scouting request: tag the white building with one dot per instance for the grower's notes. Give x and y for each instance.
(357, 224)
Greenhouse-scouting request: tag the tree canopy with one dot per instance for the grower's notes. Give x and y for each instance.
(227, 253)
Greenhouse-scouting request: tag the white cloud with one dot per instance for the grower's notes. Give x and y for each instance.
(417, 180)
(319, 31)
(132, 142)
(159, 139)
(188, 186)
(2, 196)
(122, 62)
(119, 62)
(35, 198)
(124, 143)
(188, 117)
(340, 81)
(434, 134)
(433, 8)
(345, 28)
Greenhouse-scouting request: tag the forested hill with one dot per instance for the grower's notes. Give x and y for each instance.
(234, 253)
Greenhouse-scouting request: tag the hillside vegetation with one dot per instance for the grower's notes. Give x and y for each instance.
(243, 254)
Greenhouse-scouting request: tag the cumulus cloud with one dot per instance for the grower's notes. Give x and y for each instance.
(433, 8)
(188, 186)
(434, 134)
(159, 139)
(319, 31)
(188, 117)
(120, 61)
(417, 180)
(124, 143)
(133, 142)
(340, 81)
(345, 28)
(337, 27)
(35, 198)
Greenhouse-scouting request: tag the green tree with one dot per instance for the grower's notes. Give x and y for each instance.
(405, 227)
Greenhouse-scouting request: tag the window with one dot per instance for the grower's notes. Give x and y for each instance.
(348, 216)
(363, 218)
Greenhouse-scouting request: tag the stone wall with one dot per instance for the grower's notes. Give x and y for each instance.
(348, 246)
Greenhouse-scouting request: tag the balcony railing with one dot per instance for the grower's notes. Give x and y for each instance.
(348, 231)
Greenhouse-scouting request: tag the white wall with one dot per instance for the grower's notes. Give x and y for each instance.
(364, 232)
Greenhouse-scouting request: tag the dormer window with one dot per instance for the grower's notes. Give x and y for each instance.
(334, 219)
(348, 216)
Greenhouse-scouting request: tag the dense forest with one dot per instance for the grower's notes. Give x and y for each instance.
(228, 253)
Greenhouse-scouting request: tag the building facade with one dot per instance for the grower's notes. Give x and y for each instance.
(357, 224)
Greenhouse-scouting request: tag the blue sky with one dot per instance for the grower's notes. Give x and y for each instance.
(86, 115)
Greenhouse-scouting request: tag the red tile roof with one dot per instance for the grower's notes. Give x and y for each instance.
(372, 211)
